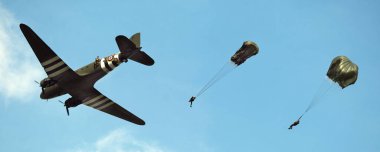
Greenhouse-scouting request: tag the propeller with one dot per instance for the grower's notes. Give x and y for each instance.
(42, 89)
(67, 108)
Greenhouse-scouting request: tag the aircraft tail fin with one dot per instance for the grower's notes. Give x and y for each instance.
(130, 48)
(136, 39)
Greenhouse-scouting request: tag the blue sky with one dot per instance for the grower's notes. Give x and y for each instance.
(248, 110)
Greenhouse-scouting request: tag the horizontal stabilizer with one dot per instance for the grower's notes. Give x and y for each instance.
(143, 58)
(125, 45)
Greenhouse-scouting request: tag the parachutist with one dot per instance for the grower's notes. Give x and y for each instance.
(294, 124)
(191, 100)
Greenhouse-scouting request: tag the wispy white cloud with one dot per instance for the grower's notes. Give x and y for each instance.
(119, 140)
(17, 69)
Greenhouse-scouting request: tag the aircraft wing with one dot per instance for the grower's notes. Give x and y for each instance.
(53, 65)
(98, 101)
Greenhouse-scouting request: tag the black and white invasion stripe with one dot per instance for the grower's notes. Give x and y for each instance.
(109, 65)
(54, 66)
(99, 102)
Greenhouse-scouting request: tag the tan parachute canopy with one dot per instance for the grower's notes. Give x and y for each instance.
(247, 50)
(343, 71)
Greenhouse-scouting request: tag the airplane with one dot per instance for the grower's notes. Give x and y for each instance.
(79, 84)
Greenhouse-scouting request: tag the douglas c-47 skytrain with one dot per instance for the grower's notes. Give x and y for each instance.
(80, 83)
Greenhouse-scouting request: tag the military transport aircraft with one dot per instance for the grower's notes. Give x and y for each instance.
(80, 83)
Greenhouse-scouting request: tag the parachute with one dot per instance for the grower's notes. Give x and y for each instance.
(247, 50)
(342, 71)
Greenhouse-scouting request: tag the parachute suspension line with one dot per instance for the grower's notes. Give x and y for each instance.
(228, 67)
(323, 89)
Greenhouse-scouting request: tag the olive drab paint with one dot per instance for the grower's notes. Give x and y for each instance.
(343, 71)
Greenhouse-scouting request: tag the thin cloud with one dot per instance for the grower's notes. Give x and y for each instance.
(120, 141)
(17, 69)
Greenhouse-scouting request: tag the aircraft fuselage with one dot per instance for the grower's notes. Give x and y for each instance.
(89, 74)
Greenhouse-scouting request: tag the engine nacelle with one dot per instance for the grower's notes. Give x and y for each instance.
(71, 102)
(47, 82)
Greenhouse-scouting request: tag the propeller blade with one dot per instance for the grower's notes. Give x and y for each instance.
(36, 82)
(67, 110)
(61, 101)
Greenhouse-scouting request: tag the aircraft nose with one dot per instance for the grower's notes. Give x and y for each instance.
(248, 43)
(43, 96)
